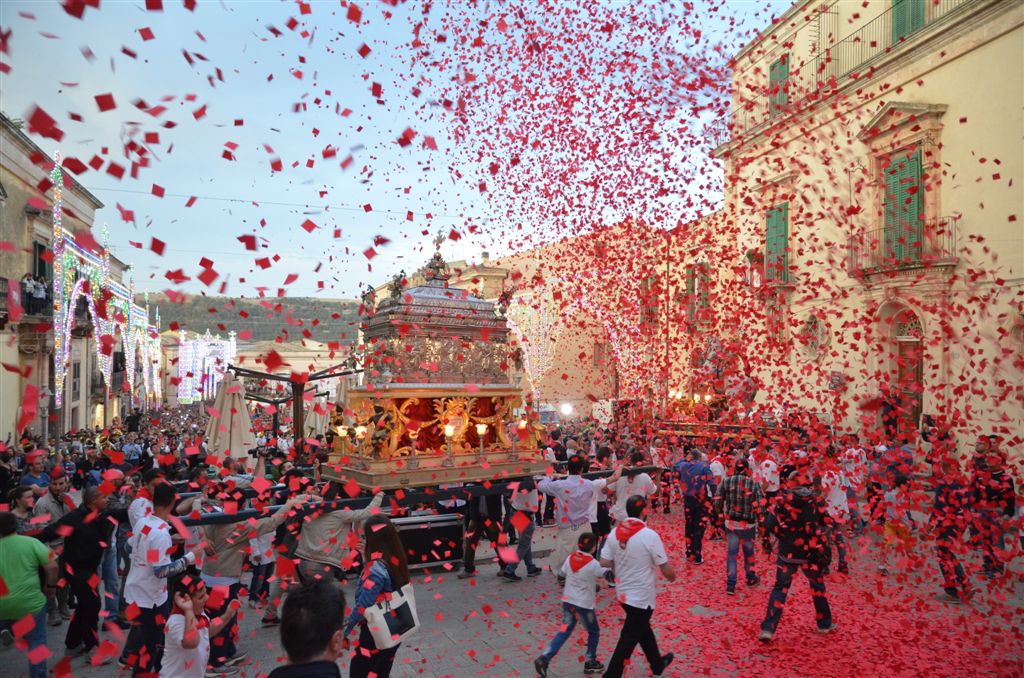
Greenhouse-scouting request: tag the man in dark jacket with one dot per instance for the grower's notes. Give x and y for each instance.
(948, 521)
(312, 631)
(482, 518)
(87, 531)
(695, 478)
(798, 521)
(995, 502)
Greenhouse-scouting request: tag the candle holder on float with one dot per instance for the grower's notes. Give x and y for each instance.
(449, 431)
(520, 426)
(481, 431)
(412, 463)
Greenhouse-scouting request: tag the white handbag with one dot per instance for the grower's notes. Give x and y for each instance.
(392, 621)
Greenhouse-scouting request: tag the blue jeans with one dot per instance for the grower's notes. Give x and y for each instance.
(569, 615)
(524, 548)
(783, 580)
(733, 539)
(111, 583)
(36, 637)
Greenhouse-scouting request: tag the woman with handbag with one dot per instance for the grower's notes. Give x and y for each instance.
(385, 608)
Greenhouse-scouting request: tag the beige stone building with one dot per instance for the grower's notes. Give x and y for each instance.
(873, 166)
(870, 251)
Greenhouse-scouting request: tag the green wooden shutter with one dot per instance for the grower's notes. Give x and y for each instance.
(691, 309)
(778, 77)
(908, 16)
(705, 285)
(776, 243)
(903, 208)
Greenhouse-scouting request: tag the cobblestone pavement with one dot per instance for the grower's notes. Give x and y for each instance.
(488, 627)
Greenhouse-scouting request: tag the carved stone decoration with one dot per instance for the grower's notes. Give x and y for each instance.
(814, 336)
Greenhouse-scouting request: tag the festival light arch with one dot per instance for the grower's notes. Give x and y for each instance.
(80, 273)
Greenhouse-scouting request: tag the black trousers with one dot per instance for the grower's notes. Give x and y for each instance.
(476, 527)
(368, 660)
(144, 647)
(636, 630)
(696, 514)
(83, 629)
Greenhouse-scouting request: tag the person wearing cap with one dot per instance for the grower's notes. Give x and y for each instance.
(35, 476)
(798, 522)
(50, 508)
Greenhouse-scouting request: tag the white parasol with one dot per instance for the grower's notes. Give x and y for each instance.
(230, 431)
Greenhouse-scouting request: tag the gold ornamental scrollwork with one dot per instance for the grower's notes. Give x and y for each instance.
(455, 411)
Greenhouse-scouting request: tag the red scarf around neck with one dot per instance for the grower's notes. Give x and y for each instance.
(625, 530)
(578, 560)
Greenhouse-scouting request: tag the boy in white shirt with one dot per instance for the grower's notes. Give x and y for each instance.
(188, 629)
(582, 572)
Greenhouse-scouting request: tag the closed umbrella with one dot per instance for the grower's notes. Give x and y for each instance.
(230, 432)
(317, 419)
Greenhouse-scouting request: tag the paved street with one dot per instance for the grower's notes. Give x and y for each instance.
(488, 627)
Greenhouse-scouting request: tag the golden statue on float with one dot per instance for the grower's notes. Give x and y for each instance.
(436, 404)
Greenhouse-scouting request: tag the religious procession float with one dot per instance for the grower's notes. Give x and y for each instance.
(436, 404)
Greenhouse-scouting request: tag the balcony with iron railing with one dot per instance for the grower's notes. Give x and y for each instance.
(852, 58)
(893, 253)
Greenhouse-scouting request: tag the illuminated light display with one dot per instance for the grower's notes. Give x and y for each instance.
(202, 361)
(80, 274)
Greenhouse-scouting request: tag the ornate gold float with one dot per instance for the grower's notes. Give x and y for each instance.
(436, 404)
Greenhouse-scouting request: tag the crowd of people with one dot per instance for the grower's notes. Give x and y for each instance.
(122, 557)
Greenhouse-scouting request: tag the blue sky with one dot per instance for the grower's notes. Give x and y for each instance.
(260, 58)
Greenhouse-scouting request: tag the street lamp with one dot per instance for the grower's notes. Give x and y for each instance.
(566, 409)
(481, 431)
(449, 431)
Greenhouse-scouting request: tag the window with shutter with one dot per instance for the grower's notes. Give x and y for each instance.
(691, 306)
(907, 17)
(704, 288)
(778, 86)
(776, 259)
(903, 208)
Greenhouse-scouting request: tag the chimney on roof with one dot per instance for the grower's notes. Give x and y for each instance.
(486, 256)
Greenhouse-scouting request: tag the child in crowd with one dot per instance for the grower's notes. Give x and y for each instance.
(188, 630)
(582, 572)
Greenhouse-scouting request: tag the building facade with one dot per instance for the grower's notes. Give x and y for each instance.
(872, 225)
(78, 352)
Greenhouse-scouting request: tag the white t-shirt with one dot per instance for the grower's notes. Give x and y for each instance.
(835, 495)
(179, 662)
(597, 497)
(525, 500)
(581, 585)
(717, 469)
(151, 547)
(854, 462)
(139, 509)
(768, 473)
(626, 487)
(636, 566)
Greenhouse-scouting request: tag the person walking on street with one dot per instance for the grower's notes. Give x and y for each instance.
(798, 522)
(23, 602)
(582, 573)
(695, 481)
(146, 586)
(740, 501)
(995, 503)
(524, 502)
(574, 494)
(636, 553)
(50, 508)
(385, 570)
(948, 520)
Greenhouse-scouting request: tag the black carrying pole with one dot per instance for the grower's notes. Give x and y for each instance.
(401, 498)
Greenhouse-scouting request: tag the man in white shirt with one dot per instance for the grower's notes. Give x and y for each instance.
(833, 484)
(574, 493)
(637, 553)
(146, 586)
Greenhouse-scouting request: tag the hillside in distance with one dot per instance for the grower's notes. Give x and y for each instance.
(261, 319)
